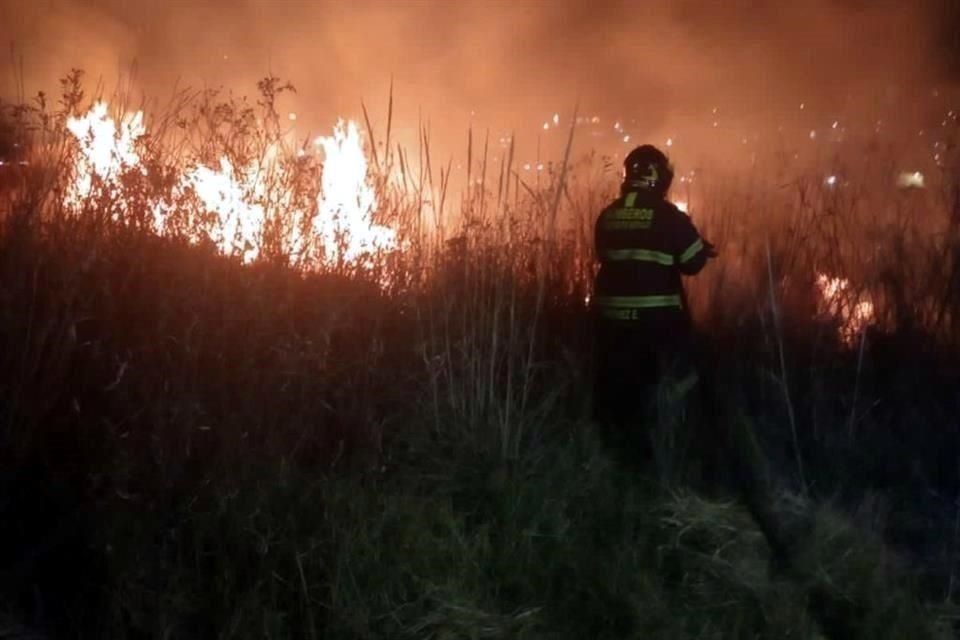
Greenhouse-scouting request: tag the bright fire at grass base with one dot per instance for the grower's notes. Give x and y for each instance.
(231, 206)
(854, 312)
(347, 201)
(106, 151)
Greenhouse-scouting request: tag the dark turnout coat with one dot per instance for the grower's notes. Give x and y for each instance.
(645, 244)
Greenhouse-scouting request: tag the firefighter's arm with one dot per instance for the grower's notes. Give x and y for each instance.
(692, 250)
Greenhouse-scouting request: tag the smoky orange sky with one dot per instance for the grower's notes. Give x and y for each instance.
(660, 68)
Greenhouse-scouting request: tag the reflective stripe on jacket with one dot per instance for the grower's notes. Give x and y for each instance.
(644, 244)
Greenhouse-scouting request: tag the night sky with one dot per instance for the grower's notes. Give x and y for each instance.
(506, 65)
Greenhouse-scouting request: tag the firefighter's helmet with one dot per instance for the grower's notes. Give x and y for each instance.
(646, 167)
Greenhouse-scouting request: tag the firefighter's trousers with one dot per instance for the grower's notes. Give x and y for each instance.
(653, 402)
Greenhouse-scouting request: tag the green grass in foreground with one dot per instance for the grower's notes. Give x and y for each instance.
(448, 543)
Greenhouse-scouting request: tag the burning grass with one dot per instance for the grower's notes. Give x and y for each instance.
(262, 385)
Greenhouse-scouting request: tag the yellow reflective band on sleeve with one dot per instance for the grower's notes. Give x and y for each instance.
(639, 302)
(630, 199)
(692, 251)
(640, 255)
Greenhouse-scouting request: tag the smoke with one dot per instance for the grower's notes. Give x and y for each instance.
(661, 69)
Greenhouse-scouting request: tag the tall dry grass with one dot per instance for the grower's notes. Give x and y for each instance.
(400, 448)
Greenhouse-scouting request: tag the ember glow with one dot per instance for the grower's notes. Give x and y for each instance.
(854, 312)
(231, 200)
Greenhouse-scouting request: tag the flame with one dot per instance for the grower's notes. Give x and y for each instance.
(106, 150)
(231, 199)
(228, 195)
(855, 312)
(347, 201)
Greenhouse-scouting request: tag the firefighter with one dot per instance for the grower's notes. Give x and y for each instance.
(644, 244)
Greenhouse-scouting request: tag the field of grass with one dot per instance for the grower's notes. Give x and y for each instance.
(195, 447)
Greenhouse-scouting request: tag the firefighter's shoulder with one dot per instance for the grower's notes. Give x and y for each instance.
(611, 206)
(674, 209)
(616, 203)
(671, 215)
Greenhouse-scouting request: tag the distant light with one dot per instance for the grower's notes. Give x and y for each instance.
(595, 120)
(616, 126)
(813, 135)
(292, 116)
(910, 180)
(831, 181)
(803, 106)
(715, 123)
(526, 167)
(546, 125)
(540, 167)
(556, 119)
(669, 142)
(836, 124)
(626, 138)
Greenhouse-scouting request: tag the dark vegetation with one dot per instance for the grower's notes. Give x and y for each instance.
(195, 447)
